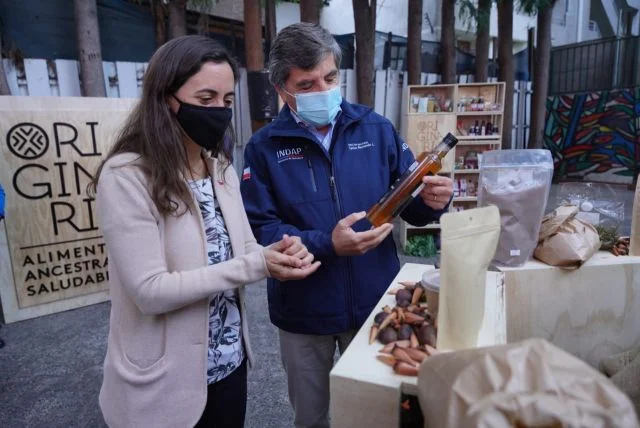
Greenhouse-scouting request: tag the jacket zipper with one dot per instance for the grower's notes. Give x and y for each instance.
(336, 198)
(334, 193)
(312, 175)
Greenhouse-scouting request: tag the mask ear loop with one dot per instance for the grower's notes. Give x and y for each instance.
(288, 93)
(179, 106)
(177, 99)
(202, 154)
(291, 95)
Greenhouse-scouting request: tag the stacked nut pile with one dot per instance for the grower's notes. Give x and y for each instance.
(621, 246)
(611, 241)
(407, 330)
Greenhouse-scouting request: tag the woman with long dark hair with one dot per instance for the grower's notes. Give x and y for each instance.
(180, 249)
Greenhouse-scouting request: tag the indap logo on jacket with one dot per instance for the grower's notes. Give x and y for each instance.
(50, 150)
(289, 154)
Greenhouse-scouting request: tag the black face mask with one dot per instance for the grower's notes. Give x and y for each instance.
(204, 125)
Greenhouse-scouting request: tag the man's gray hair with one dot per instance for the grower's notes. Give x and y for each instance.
(302, 45)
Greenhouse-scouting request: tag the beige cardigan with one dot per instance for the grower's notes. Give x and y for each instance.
(160, 285)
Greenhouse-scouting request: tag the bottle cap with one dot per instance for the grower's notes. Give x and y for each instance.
(450, 140)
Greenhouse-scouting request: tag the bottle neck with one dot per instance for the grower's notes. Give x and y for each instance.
(441, 150)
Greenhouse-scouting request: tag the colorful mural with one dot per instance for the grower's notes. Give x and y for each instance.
(595, 136)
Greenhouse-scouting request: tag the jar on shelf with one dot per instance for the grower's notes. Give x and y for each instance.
(414, 103)
(432, 104)
(471, 160)
(472, 187)
(448, 105)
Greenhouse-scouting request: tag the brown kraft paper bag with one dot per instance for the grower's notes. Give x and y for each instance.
(564, 240)
(525, 384)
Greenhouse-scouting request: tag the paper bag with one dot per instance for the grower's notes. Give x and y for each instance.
(564, 240)
(624, 371)
(468, 243)
(527, 384)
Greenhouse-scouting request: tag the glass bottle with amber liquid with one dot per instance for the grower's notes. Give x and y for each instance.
(409, 185)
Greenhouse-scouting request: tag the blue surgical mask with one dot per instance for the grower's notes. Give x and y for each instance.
(318, 108)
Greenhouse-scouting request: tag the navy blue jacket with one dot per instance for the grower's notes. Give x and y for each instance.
(292, 185)
(1, 201)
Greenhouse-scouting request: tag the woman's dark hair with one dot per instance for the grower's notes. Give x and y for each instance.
(152, 130)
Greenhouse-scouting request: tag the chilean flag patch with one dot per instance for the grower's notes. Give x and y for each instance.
(246, 174)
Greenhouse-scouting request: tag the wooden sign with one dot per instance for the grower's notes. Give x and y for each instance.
(425, 132)
(51, 147)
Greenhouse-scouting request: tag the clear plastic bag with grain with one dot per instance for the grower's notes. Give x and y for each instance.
(518, 183)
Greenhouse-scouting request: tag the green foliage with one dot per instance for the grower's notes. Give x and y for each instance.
(421, 246)
(531, 7)
(323, 3)
(608, 236)
(470, 13)
(202, 3)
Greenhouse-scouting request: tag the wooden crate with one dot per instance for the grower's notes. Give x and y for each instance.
(366, 392)
(591, 312)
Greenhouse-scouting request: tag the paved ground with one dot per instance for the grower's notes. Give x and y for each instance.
(51, 367)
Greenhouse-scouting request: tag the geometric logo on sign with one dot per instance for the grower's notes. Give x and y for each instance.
(27, 141)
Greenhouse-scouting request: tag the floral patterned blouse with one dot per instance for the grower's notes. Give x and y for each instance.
(226, 351)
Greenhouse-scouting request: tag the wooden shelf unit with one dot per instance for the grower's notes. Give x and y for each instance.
(435, 110)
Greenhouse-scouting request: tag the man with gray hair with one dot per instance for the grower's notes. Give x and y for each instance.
(312, 173)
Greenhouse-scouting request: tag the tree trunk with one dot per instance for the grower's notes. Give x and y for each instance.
(177, 18)
(540, 77)
(414, 42)
(364, 13)
(253, 35)
(4, 84)
(159, 12)
(448, 41)
(482, 41)
(89, 53)
(253, 49)
(270, 21)
(310, 11)
(505, 62)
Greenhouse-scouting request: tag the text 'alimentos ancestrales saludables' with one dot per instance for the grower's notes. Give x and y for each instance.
(53, 271)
